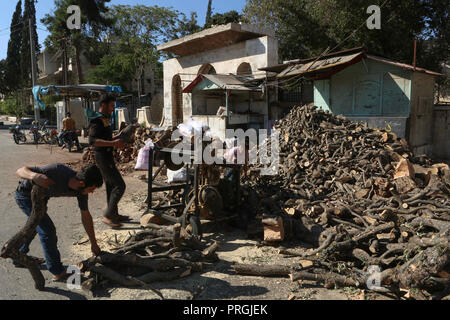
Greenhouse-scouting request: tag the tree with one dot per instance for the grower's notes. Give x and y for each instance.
(307, 28)
(12, 74)
(94, 22)
(11, 106)
(186, 26)
(225, 18)
(25, 57)
(3, 83)
(208, 15)
(133, 38)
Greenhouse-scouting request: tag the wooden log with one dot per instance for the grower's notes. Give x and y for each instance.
(211, 250)
(165, 276)
(331, 280)
(262, 270)
(143, 244)
(273, 229)
(161, 264)
(26, 235)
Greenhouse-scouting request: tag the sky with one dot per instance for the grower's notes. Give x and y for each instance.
(46, 6)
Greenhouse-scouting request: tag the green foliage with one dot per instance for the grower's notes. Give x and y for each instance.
(3, 83)
(225, 18)
(307, 28)
(208, 14)
(11, 106)
(13, 78)
(90, 38)
(25, 60)
(133, 40)
(114, 69)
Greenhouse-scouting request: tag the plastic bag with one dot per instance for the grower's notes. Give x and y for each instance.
(176, 176)
(142, 162)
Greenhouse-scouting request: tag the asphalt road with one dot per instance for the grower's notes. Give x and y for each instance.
(17, 283)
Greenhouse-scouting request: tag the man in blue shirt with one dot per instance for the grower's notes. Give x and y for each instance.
(59, 181)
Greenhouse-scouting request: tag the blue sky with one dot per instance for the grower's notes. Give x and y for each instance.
(45, 6)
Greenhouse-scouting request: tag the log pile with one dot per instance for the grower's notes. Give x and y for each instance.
(362, 199)
(156, 254)
(126, 157)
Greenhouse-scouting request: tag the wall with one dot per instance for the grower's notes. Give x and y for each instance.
(259, 53)
(421, 121)
(367, 88)
(441, 132)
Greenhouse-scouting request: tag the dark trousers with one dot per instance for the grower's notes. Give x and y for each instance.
(115, 186)
(74, 135)
(47, 234)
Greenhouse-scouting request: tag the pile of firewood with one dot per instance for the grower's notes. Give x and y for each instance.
(126, 157)
(156, 254)
(362, 199)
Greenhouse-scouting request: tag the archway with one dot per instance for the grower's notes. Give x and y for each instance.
(244, 69)
(177, 101)
(207, 69)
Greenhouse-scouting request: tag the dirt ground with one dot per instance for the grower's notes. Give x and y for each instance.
(216, 281)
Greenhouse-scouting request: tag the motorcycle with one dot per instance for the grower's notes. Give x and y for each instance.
(49, 136)
(18, 135)
(68, 140)
(34, 132)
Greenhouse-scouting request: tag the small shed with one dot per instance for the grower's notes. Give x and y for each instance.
(378, 91)
(242, 100)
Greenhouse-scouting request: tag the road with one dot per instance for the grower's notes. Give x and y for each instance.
(17, 283)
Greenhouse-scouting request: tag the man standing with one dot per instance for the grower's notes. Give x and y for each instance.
(59, 181)
(69, 125)
(103, 141)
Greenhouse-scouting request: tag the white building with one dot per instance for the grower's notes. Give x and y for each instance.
(231, 55)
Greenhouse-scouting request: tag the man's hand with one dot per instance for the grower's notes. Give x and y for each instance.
(42, 180)
(95, 249)
(119, 144)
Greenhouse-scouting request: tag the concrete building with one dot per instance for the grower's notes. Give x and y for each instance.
(381, 92)
(230, 57)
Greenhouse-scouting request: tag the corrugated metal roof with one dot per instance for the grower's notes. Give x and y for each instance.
(319, 65)
(223, 81)
(403, 65)
(339, 60)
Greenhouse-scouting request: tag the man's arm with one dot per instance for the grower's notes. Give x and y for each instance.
(88, 225)
(119, 144)
(96, 142)
(38, 178)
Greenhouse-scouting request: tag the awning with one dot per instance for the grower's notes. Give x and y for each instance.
(221, 81)
(93, 91)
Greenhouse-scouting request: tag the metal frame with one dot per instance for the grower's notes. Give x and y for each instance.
(159, 211)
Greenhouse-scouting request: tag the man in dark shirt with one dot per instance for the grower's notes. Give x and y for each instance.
(103, 141)
(59, 181)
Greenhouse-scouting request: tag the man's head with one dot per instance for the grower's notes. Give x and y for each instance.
(89, 179)
(107, 104)
(68, 114)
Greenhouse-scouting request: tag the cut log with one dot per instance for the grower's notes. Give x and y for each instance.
(262, 270)
(151, 218)
(404, 168)
(273, 229)
(26, 235)
(404, 184)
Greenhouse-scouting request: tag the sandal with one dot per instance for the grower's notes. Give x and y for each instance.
(121, 218)
(112, 224)
(62, 279)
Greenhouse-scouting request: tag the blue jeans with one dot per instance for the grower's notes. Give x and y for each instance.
(47, 234)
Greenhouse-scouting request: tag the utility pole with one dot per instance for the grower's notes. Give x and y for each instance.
(65, 72)
(33, 70)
